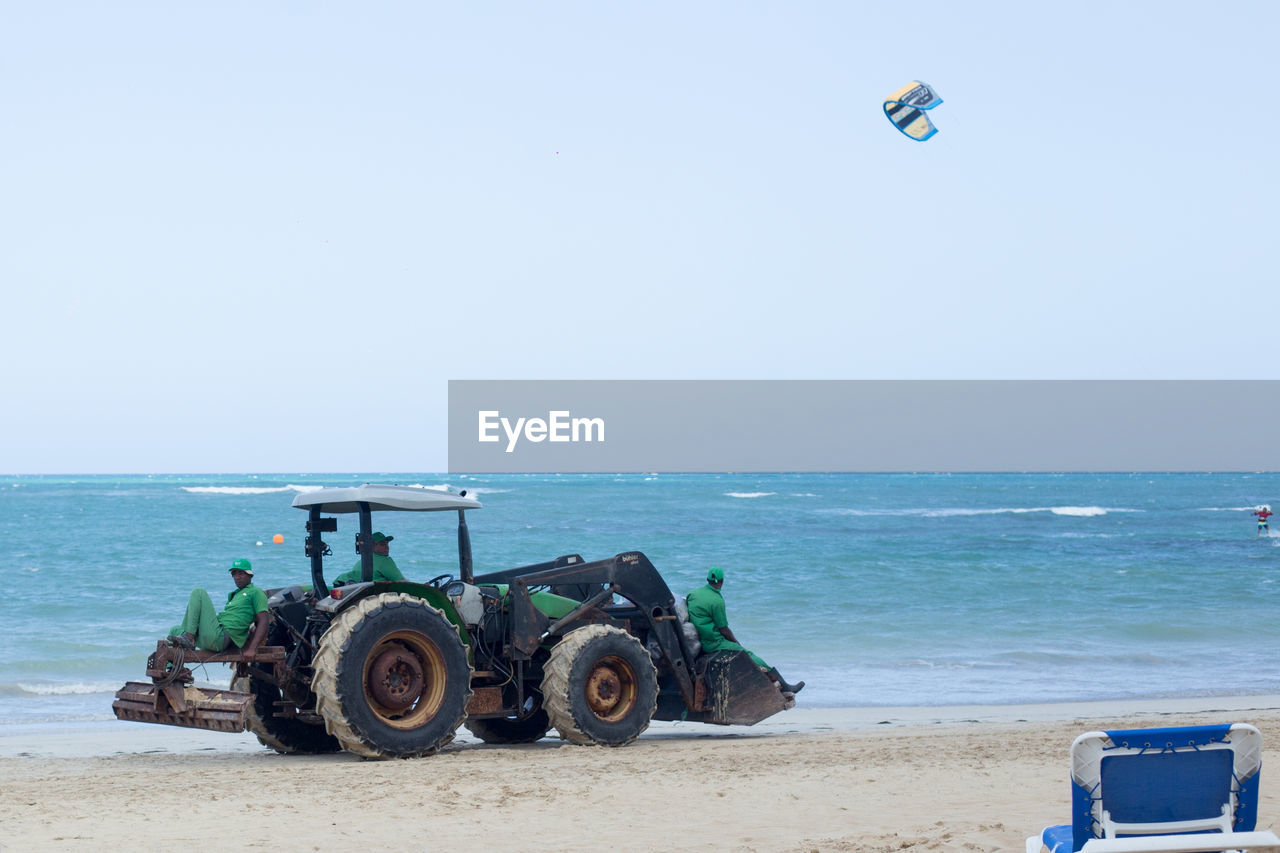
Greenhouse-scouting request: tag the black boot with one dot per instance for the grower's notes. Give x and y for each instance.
(786, 688)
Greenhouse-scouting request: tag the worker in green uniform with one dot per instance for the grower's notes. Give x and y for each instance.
(384, 568)
(706, 612)
(243, 622)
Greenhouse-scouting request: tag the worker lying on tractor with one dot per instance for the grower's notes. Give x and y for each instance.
(706, 612)
(243, 622)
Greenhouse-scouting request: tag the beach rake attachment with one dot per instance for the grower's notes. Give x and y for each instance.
(171, 699)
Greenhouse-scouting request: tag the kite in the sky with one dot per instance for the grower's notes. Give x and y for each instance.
(906, 109)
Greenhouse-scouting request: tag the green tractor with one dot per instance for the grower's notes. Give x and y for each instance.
(594, 650)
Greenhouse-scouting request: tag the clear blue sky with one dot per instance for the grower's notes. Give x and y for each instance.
(263, 237)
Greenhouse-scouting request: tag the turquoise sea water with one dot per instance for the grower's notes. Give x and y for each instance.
(883, 589)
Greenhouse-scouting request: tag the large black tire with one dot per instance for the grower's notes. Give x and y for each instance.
(285, 735)
(599, 686)
(392, 678)
(510, 730)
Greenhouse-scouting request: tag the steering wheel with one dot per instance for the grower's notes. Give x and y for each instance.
(440, 580)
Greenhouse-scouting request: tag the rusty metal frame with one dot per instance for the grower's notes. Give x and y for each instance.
(629, 575)
(171, 700)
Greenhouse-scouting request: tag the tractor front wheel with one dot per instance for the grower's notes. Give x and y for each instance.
(599, 686)
(392, 678)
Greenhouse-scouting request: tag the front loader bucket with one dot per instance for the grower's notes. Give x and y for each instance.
(738, 693)
(178, 705)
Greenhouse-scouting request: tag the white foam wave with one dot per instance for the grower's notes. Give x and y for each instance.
(445, 487)
(471, 491)
(748, 494)
(1226, 509)
(79, 688)
(1079, 511)
(927, 664)
(56, 718)
(267, 490)
(1073, 511)
(245, 490)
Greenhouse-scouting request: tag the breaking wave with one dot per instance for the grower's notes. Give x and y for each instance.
(1073, 511)
(1227, 509)
(78, 688)
(245, 490)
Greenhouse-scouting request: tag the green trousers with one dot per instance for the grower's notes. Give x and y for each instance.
(728, 646)
(201, 621)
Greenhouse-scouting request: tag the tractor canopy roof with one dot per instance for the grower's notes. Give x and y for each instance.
(381, 497)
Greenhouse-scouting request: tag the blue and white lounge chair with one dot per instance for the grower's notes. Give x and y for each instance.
(1143, 782)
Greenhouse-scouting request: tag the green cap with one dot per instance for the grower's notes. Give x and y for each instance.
(378, 537)
(242, 566)
(715, 575)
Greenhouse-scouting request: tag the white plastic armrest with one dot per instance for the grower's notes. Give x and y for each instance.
(1257, 842)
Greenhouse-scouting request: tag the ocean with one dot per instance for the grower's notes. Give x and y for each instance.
(877, 590)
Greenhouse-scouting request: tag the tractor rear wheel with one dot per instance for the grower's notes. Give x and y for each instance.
(599, 686)
(392, 677)
(285, 735)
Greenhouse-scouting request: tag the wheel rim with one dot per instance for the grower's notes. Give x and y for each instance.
(611, 688)
(403, 679)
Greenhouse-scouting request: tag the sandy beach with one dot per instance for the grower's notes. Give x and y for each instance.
(979, 778)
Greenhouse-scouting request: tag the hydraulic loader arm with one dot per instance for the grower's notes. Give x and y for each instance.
(629, 575)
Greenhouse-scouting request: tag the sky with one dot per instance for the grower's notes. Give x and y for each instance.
(264, 236)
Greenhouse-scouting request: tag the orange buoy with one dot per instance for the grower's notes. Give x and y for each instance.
(278, 539)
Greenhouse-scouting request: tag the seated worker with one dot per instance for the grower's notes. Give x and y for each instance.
(384, 568)
(246, 608)
(706, 612)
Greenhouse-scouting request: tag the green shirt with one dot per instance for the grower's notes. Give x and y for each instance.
(706, 612)
(242, 606)
(384, 569)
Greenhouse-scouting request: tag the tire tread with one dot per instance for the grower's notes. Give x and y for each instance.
(333, 644)
(557, 676)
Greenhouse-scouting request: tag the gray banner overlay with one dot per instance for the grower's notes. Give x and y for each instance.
(569, 426)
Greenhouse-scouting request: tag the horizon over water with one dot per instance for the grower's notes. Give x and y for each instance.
(876, 589)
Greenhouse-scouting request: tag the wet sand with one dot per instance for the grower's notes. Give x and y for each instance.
(978, 778)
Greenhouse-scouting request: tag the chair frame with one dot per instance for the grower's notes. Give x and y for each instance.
(1092, 821)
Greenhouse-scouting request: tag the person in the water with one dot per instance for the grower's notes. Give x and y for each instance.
(1263, 513)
